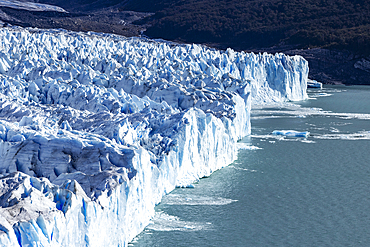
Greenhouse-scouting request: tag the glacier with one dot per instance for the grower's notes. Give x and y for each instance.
(291, 133)
(30, 6)
(96, 128)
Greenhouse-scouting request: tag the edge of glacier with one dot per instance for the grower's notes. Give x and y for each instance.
(197, 137)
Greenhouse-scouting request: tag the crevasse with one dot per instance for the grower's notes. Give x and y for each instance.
(95, 128)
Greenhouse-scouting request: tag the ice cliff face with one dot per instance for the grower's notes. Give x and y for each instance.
(95, 129)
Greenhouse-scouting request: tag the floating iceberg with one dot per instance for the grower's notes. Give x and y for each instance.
(313, 84)
(291, 133)
(95, 129)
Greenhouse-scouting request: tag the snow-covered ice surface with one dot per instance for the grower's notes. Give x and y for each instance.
(95, 129)
(31, 6)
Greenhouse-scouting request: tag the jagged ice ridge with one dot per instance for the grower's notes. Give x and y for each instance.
(95, 128)
(30, 6)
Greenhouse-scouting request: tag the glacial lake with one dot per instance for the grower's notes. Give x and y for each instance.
(282, 191)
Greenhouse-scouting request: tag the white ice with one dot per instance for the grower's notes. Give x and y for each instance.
(31, 6)
(246, 146)
(314, 84)
(164, 222)
(291, 133)
(193, 200)
(96, 128)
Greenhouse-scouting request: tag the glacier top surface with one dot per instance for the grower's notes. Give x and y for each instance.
(31, 6)
(76, 109)
(99, 97)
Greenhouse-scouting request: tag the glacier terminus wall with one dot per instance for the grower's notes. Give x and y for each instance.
(96, 128)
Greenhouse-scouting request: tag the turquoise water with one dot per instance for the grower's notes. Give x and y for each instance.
(282, 191)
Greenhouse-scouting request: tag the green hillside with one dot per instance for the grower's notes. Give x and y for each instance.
(254, 24)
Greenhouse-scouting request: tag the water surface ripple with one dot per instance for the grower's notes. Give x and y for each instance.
(282, 191)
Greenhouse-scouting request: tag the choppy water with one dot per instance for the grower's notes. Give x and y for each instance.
(282, 191)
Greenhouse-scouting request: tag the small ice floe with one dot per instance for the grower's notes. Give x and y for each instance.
(291, 133)
(308, 141)
(313, 84)
(334, 130)
(247, 146)
(185, 185)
